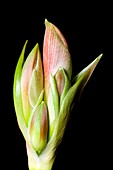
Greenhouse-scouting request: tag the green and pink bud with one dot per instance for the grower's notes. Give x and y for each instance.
(63, 83)
(38, 128)
(55, 54)
(31, 81)
(44, 94)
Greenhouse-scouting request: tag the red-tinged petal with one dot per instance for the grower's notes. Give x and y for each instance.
(55, 53)
(28, 67)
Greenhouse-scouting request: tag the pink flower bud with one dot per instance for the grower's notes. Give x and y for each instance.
(55, 54)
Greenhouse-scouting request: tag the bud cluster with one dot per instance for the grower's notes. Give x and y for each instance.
(44, 93)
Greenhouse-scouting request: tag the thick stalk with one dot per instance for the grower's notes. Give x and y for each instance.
(38, 163)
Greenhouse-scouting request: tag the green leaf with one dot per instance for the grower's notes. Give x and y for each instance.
(17, 94)
(85, 75)
(53, 104)
(65, 110)
(54, 94)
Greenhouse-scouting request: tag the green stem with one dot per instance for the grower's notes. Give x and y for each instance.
(42, 165)
(36, 162)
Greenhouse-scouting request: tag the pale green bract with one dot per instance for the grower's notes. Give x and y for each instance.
(44, 96)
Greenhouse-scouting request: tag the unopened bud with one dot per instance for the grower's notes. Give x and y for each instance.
(63, 83)
(38, 128)
(31, 81)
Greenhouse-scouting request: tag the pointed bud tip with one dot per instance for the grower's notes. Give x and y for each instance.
(46, 21)
(61, 69)
(35, 49)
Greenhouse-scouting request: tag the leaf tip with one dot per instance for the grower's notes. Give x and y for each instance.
(100, 56)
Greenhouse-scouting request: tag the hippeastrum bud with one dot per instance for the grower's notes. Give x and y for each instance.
(43, 108)
(31, 81)
(59, 86)
(55, 54)
(63, 83)
(38, 127)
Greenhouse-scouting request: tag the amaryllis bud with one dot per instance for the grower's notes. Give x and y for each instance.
(31, 81)
(38, 127)
(63, 83)
(55, 54)
(44, 96)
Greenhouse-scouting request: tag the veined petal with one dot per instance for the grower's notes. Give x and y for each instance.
(55, 53)
(31, 65)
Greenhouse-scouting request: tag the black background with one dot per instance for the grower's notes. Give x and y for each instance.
(87, 27)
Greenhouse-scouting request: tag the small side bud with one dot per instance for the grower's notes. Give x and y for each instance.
(63, 83)
(38, 128)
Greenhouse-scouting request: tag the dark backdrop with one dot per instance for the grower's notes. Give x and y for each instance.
(88, 29)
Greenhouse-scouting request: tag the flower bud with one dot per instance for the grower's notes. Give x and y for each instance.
(63, 83)
(31, 81)
(43, 109)
(55, 54)
(38, 128)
